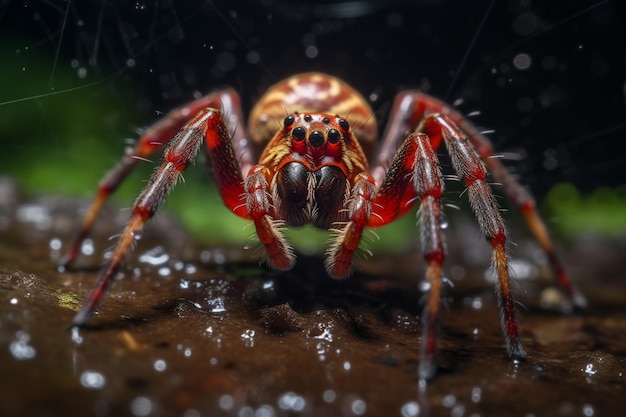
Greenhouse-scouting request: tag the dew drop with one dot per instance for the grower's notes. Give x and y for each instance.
(588, 410)
(226, 402)
(449, 400)
(476, 394)
(160, 365)
(443, 221)
(410, 409)
(141, 406)
(92, 380)
(55, 243)
(358, 407)
(20, 347)
(522, 61)
(311, 51)
(329, 396)
(291, 401)
(155, 256)
(248, 337)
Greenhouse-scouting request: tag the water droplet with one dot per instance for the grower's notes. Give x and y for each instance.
(443, 221)
(476, 394)
(154, 256)
(160, 365)
(410, 409)
(329, 396)
(589, 370)
(522, 61)
(192, 413)
(265, 410)
(141, 406)
(291, 401)
(13, 301)
(311, 51)
(92, 380)
(449, 400)
(588, 410)
(325, 332)
(226, 402)
(55, 243)
(76, 337)
(20, 348)
(215, 305)
(347, 365)
(87, 247)
(253, 57)
(458, 411)
(36, 215)
(248, 337)
(358, 407)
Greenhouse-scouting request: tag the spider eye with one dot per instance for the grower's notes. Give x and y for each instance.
(334, 136)
(343, 123)
(289, 120)
(316, 138)
(298, 134)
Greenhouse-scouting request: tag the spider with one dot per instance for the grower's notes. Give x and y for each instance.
(316, 137)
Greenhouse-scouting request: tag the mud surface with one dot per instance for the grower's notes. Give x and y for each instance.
(195, 331)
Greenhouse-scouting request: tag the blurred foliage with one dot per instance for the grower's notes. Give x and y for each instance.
(603, 211)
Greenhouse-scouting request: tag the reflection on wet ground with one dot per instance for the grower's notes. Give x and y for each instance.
(190, 331)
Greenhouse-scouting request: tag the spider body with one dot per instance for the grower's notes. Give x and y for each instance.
(315, 137)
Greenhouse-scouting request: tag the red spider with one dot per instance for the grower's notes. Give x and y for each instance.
(314, 170)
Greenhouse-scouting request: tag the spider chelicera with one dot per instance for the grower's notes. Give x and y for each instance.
(316, 137)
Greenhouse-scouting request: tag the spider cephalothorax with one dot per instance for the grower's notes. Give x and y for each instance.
(315, 137)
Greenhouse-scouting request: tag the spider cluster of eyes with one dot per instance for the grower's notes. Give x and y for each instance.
(316, 137)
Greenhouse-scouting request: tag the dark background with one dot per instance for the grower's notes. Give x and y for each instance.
(114, 66)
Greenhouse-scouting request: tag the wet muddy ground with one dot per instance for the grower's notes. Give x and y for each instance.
(194, 331)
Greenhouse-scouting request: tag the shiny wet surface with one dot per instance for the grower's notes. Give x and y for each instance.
(195, 331)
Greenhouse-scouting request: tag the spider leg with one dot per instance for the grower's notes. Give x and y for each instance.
(408, 110)
(471, 169)
(261, 210)
(414, 175)
(525, 203)
(339, 256)
(152, 141)
(424, 182)
(207, 125)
